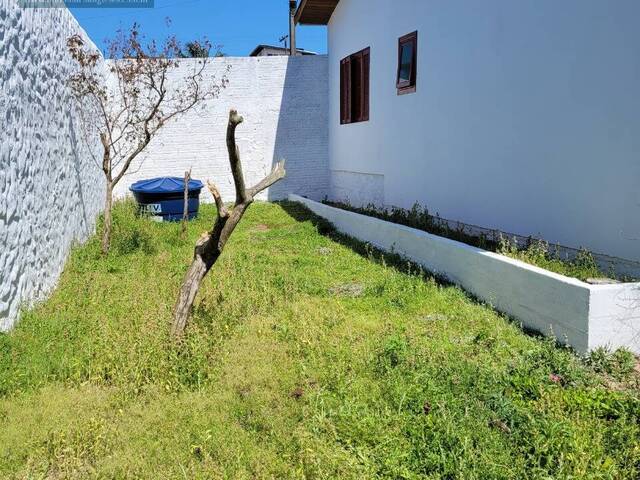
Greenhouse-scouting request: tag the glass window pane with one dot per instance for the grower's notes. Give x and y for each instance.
(406, 57)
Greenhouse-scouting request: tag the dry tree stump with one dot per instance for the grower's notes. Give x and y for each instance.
(211, 244)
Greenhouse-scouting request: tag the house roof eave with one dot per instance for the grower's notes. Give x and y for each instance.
(315, 12)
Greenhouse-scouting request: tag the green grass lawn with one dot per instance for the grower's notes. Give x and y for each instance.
(308, 356)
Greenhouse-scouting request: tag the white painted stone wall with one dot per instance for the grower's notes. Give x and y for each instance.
(284, 104)
(526, 116)
(50, 190)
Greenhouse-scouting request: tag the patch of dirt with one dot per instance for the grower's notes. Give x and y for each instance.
(614, 385)
(243, 391)
(164, 256)
(297, 393)
(351, 290)
(324, 251)
(261, 227)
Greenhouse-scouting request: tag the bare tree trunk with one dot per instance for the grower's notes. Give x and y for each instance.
(211, 244)
(106, 168)
(188, 292)
(185, 208)
(106, 229)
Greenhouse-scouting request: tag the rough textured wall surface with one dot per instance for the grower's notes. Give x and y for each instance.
(284, 104)
(50, 189)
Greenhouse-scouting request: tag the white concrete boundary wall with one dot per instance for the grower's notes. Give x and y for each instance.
(284, 104)
(50, 190)
(585, 316)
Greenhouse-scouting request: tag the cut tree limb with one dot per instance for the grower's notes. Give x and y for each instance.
(234, 156)
(185, 206)
(211, 244)
(215, 193)
(276, 174)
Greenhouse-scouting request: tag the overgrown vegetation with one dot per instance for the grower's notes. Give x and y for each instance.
(533, 251)
(538, 253)
(290, 371)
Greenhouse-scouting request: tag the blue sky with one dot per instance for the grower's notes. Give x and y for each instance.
(238, 25)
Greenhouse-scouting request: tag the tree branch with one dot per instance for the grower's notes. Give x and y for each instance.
(222, 210)
(276, 174)
(144, 142)
(141, 146)
(106, 164)
(234, 156)
(185, 202)
(210, 246)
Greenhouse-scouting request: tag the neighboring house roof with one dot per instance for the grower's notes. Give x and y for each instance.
(263, 50)
(315, 12)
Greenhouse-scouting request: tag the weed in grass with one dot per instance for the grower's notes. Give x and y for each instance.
(538, 253)
(619, 364)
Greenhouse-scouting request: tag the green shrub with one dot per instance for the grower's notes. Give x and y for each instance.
(620, 364)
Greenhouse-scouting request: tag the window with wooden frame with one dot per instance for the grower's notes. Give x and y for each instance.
(407, 63)
(354, 87)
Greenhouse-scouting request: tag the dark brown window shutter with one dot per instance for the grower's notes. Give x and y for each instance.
(345, 91)
(366, 56)
(356, 87)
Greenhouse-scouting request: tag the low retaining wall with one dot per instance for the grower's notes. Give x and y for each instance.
(582, 315)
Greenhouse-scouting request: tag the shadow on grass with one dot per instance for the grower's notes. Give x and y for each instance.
(401, 264)
(396, 261)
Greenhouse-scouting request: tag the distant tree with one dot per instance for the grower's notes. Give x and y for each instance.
(127, 110)
(197, 50)
(201, 49)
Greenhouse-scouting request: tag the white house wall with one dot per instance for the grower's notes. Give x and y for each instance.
(284, 104)
(50, 190)
(526, 116)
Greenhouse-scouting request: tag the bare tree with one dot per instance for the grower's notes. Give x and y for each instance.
(127, 108)
(210, 245)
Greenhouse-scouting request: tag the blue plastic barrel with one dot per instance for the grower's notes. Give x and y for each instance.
(163, 198)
